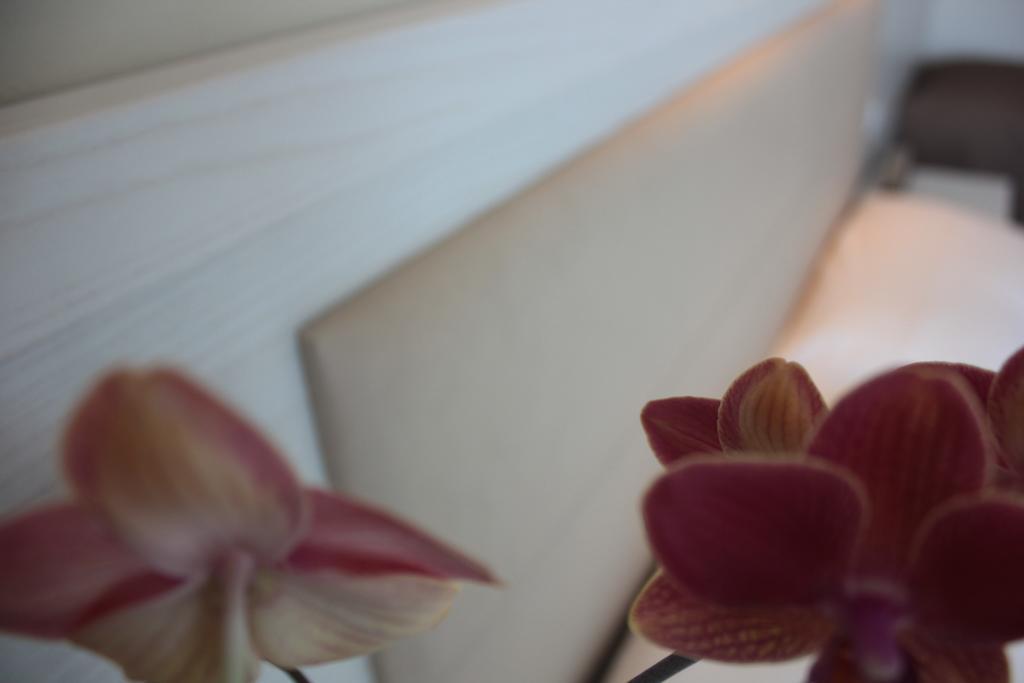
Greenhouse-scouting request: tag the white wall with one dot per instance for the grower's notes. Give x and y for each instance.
(48, 45)
(976, 28)
(901, 37)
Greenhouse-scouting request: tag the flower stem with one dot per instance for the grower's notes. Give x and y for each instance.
(664, 670)
(237, 572)
(295, 675)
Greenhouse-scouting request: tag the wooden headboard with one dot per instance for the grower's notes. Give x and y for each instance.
(490, 388)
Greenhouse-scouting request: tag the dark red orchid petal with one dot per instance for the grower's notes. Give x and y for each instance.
(771, 407)
(944, 662)
(754, 531)
(927, 662)
(979, 382)
(1006, 409)
(669, 616)
(873, 616)
(966, 577)
(915, 441)
(680, 427)
(978, 379)
(836, 664)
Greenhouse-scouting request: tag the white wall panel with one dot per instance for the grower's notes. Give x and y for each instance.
(48, 45)
(492, 386)
(201, 213)
(900, 41)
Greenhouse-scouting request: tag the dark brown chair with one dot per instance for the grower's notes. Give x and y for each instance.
(968, 115)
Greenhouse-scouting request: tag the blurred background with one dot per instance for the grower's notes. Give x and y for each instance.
(443, 251)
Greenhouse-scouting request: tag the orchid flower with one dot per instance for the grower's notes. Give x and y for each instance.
(1006, 411)
(880, 542)
(769, 408)
(1002, 399)
(190, 551)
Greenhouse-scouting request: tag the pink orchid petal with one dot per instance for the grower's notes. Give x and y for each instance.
(357, 539)
(750, 532)
(966, 578)
(1006, 409)
(299, 619)
(680, 427)
(771, 407)
(62, 566)
(180, 476)
(669, 616)
(943, 662)
(189, 635)
(915, 441)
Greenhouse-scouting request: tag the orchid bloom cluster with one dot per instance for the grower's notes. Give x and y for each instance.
(190, 551)
(885, 534)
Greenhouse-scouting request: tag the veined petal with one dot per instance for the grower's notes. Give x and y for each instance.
(915, 441)
(669, 616)
(1006, 409)
(179, 476)
(771, 407)
(680, 427)
(62, 566)
(357, 539)
(968, 567)
(307, 618)
(182, 637)
(978, 379)
(940, 662)
(750, 532)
